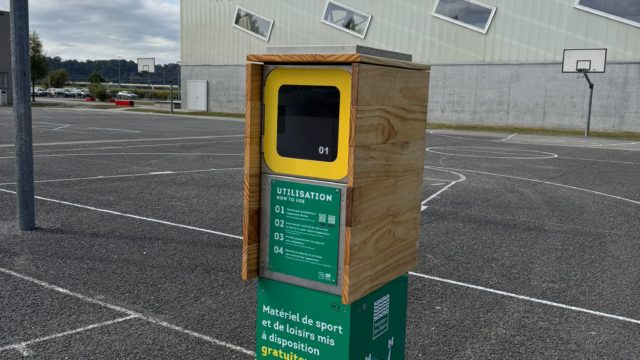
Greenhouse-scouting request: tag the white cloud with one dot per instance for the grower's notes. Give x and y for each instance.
(80, 29)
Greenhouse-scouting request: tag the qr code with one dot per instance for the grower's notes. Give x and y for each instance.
(331, 220)
(322, 218)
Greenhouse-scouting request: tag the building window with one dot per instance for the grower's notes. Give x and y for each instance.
(347, 19)
(626, 11)
(468, 13)
(253, 23)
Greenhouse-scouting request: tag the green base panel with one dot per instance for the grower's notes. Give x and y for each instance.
(296, 323)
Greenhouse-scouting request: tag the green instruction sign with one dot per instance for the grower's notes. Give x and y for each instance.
(304, 230)
(297, 323)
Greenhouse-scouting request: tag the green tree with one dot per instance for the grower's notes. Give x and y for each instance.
(99, 92)
(58, 78)
(96, 78)
(38, 59)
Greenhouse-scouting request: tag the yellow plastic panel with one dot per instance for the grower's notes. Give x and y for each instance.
(338, 78)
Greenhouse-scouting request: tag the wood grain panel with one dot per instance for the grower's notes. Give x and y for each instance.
(251, 178)
(385, 86)
(377, 163)
(387, 124)
(389, 107)
(378, 199)
(253, 82)
(366, 277)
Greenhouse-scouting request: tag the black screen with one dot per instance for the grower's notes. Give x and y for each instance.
(308, 122)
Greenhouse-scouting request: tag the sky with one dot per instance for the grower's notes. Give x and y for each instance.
(109, 29)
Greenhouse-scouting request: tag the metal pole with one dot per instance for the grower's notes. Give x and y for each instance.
(171, 86)
(586, 131)
(119, 84)
(22, 109)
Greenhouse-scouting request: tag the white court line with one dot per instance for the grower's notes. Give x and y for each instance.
(598, 160)
(434, 179)
(542, 182)
(586, 146)
(523, 154)
(123, 154)
(527, 298)
(129, 215)
(102, 177)
(111, 129)
(50, 123)
(60, 127)
(126, 140)
(509, 137)
(22, 347)
(530, 158)
(126, 311)
(140, 146)
(423, 205)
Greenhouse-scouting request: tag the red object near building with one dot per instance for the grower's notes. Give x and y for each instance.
(124, 103)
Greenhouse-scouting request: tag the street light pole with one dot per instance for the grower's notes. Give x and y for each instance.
(119, 84)
(21, 76)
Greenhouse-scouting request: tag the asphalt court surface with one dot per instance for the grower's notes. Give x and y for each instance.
(530, 247)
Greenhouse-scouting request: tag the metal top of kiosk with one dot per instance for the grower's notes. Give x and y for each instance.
(339, 49)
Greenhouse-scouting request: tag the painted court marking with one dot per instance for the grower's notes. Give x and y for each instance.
(139, 146)
(126, 140)
(542, 182)
(65, 127)
(112, 129)
(527, 298)
(102, 177)
(578, 145)
(493, 152)
(124, 154)
(129, 215)
(423, 204)
(25, 351)
(127, 311)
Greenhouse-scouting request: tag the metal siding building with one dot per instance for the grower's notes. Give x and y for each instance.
(509, 75)
(6, 95)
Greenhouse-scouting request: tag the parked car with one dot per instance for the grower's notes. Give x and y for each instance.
(58, 92)
(39, 92)
(126, 95)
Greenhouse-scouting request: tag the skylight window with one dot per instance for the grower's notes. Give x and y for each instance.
(626, 11)
(342, 17)
(468, 13)
(253, 23)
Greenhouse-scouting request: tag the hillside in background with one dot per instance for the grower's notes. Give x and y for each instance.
(116, 71)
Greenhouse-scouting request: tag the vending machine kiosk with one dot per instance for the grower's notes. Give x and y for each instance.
(334, 159)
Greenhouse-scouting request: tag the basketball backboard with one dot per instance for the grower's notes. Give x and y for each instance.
(584, 60)
(147, 65)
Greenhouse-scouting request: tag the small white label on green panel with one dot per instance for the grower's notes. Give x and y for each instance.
(381, 316)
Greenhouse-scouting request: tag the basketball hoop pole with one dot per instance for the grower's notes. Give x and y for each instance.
(586, 131)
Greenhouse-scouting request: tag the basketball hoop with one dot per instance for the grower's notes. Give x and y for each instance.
(585, 61)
